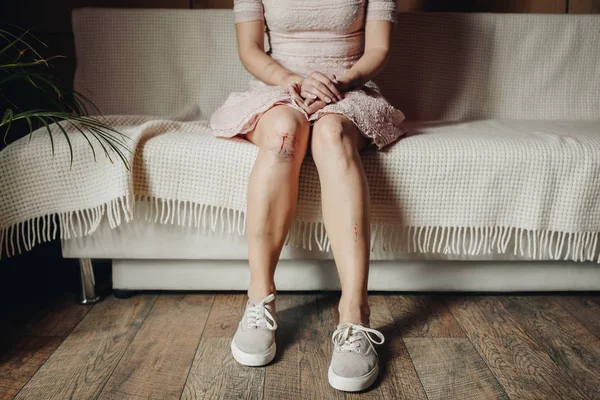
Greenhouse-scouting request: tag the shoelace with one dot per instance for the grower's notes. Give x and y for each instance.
(258, 315)
(347, 336)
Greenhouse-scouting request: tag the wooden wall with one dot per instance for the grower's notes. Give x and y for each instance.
(51, 21)
(54, 16)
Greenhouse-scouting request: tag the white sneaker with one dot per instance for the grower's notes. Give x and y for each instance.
(254, 341)
(355, 363)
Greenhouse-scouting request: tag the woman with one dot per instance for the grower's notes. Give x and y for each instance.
(312, 92)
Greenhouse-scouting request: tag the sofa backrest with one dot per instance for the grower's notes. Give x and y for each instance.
(444, 66)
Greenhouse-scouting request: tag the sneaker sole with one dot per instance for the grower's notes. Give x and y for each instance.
(354, 384)
(253, 360)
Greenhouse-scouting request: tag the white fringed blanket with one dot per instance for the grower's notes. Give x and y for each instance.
(455, 187)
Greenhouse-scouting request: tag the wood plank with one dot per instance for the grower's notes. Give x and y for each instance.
(158, 360)
(7, 393)
(585, 308)
(521, 6)
(433, 5)
(584, 6)
(409, 5)
(22, 360)
(44, 317)
(316, 347)
(423, 316)
(522, 367)
(55, 16)
(82, 364)
(225, 316)
(30, 336)
(56, 318)
(281, 379)
(214, 372)
(447, 363)
(397, 375)
(504, 6)
(212, 3)
(451, 368)
(572, 347)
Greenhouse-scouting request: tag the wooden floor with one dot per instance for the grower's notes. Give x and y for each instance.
(171, 346)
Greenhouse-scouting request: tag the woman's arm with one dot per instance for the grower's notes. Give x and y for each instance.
(378, 34)
(380, 18)
(250, 37)
(251, 50)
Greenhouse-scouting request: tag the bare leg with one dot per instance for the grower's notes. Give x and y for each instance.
(282, 136)
(335, 146)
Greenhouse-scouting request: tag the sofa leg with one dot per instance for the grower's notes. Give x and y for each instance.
(124, 293)
(88, 283)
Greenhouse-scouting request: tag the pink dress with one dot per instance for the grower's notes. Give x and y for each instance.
(306, 36)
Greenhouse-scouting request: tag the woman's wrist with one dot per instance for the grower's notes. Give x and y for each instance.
(343, 84)
(290, 78)
(350, 80)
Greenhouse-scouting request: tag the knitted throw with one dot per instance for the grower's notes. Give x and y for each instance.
(452, 188)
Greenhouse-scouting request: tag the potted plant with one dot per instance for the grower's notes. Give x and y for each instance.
(23, 67)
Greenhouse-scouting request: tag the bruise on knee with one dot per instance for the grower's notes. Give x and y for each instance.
(285, 149)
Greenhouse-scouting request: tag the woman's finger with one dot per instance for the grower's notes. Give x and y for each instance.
(309, 92)
(320, 89)
(317, 88)
(328, 82)
(308, 95)
(309, 98)
(300, 101)
(307, 104)
(317, 105)
(326, 89)
(293, 90)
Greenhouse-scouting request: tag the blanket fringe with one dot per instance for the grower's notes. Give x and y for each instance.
(23, 236)
(534, 244)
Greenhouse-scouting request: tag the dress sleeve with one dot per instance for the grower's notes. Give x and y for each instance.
(382, 10)
(248, 10)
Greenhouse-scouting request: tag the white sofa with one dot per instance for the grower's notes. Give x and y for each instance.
(448, 73)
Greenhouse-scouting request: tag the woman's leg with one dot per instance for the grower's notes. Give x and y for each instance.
(335, 146)
(282, 136)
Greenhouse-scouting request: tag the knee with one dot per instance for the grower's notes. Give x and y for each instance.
(287, 139)
(332, 139)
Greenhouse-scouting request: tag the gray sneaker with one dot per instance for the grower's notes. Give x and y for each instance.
(355, 363)
(254, 341)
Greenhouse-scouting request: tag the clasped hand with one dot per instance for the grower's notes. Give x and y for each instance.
(316, 91)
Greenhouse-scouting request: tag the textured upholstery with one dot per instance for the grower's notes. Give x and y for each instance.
(444, 66)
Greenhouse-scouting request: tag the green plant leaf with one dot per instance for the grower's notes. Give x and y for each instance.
(5, 33)
(88, 101)
(66, 135)
(8, 114)
(7, 119)
(86, 138)
(70, 106)
(106, 153)
(49, 133)
(109, 141)
(13, 43)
